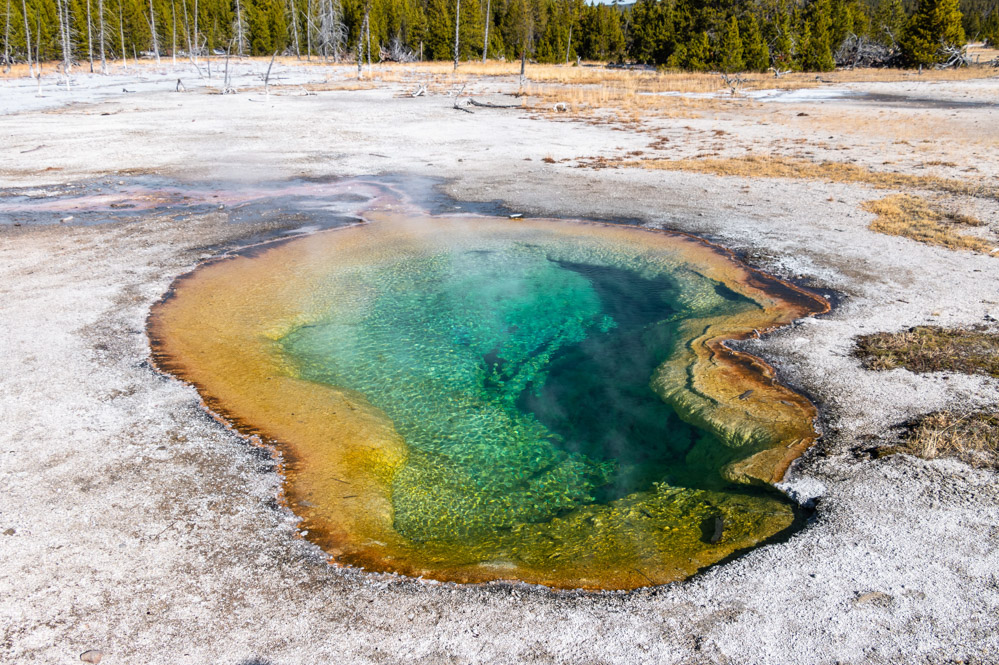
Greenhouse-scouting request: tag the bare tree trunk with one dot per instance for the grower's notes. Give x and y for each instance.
(308, 32)
(152, 27)
(121, 34)
(568, 46)
(173, 13)
(331, 30)
(267, 77)
(62, 32)
(100, 17)
(226, 88)
(27, 36)
(367, 33)
(62, 8)
(6, 41)
(240, 30)
(190, 46)
(360, 44)
(485, 40)
(90, 38)
(197, 38)
(294, 23)
(523, 64)
(38, 50)
(457, 24)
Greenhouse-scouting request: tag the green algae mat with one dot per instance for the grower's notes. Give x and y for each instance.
(477, 399)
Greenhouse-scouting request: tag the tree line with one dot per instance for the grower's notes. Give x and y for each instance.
(721, 35)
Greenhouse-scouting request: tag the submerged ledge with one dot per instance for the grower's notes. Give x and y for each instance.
(342, 454)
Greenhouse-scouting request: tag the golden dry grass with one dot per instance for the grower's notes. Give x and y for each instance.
(981, 54)
(932, 349)
(971, 437)
(762, 166)
(621, 105)
(916, 218)
(671, 80)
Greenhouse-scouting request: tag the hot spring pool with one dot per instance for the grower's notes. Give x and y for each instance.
(474, 399)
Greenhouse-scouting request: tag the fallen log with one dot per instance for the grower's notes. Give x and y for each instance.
(493, 106)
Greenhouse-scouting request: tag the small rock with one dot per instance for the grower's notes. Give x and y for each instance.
(91, 656)
(9, 532)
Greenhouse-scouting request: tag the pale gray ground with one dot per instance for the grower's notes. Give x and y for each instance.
(134, 524)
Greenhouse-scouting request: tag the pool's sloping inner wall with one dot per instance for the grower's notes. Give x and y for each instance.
(474, 399)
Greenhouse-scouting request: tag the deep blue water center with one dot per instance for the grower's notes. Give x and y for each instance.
(596, 398)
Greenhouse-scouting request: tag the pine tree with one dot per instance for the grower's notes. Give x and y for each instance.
(889, 22)
(698, 53)
(730, 48)
(783, 50)
(817, 51)
(440, 30)
(755, 54)
(990, 29)
(841, 23)
(935, 25)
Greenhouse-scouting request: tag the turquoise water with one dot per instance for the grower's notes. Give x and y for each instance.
(518, 375)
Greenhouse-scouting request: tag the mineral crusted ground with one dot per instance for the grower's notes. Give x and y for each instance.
(134, 524)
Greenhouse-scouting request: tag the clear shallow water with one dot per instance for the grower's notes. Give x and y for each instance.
(519, 381)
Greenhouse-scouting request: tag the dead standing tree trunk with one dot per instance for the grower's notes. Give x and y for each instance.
(27, 38)
(294, 25)
(457, 25)
(239, 30)
(100, 17)
(121, 34)
(523, 66)
(197, 39)
(190, 46)
(568, 45)
(485, 38)
(173, 15)
(360, 41)
(332, 32)
(90, 38)
(62, 9)
(6, 40)
(152, 28)
(267, 76)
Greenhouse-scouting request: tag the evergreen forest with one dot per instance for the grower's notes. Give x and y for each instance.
(699, 35)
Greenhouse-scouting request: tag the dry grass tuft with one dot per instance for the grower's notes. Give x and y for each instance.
(916, 218)
(932, 349)
(970, 437)
(757, 166)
